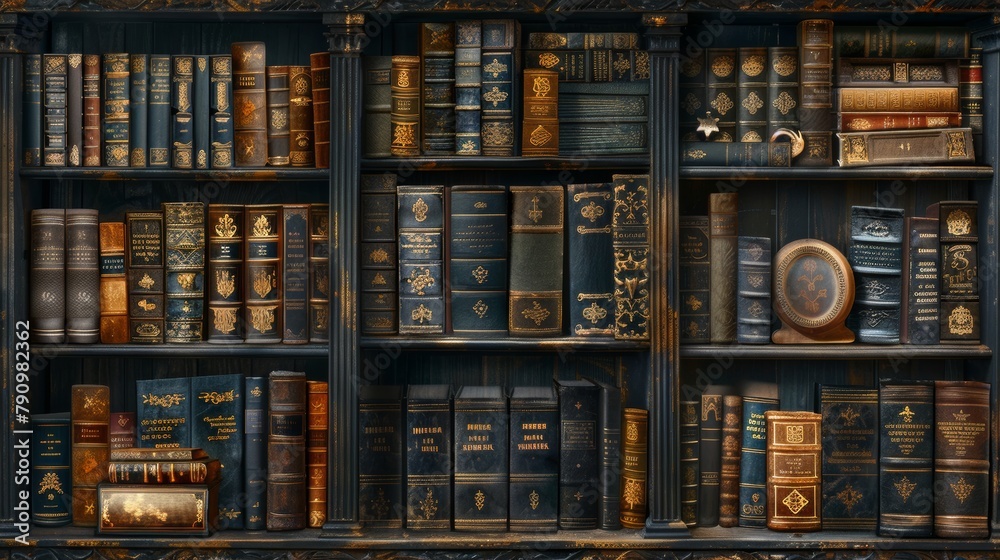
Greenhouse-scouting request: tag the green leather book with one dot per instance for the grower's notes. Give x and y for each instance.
(536, 261)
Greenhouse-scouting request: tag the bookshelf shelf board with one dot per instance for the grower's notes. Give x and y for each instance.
(506, 344)
(837, 173)
(150, 174)
(837, 351)
(617, 163)
(194, 350)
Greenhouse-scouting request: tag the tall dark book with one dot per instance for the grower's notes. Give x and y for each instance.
(921, 301)
(721, 92)
(379, 269)
(217, 427)
(295, 272)
(54, 70)
(319, 272)
(89, 415)
(753, 463)
(115, 95)
(47, 305)
(723, 257)
(263, 273)
(876, 257)
(729, 466)
(958, 233)
(163, 412)
(302, 153)
(225, 273)
(794, 446)
(753, 101)
(477, 265)
(51, 470)
(428, 457)
(694, 279)
(380, 456)
(611, 460)
(420, 220)
(782, 89)
(31, 94)
(536, 236)
(201, 90)
(144, 271)
(753, 290)
(256, 425)
(250, 114)
(534, 459)
(278, 139)
(404, 117)
(317, 450)
(74, 110)
(910, 42)
(377, 105)
(634, 465)
(437, 119)
(712, 413)
(92, 110)
(579, 486)
(221, 112)
(158, 119)
(114, 288)
(181, 112)
(184, 249)
(83, 277)
(906, 460)
(319, 65)
(468, 84)
(690, 426)
(138, 110)
(961, 459)
(286, 451)
(481, 459)
(500, 73)
(591, 255)
(850, 457)
(816, 118)
(540, 126)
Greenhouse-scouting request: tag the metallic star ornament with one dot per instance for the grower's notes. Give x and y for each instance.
(708, 125)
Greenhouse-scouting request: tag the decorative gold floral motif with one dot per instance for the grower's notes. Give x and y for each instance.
(937, 122)
(183, 64)
(723, 66)
(849, 416)
(849, 497)
(263, 282)
(421, 314)
(50, 482)
(592, 211)
(621, 65)
(420, 279)
(186, 280)
(956, 144)
(480, 274)
(495, 68)
(752, 136)
(262, 318)
(795, 433)
(594, 313)
(480, 309)
(756, 309)
(533, 500)
(905, 487)
(722, 103)
(497, 134)
(547, 60)
(753, 65)
(261, 226)
(403, 135)
(926, 73)
(379, 256)
(785, 65)
(540, 136)
(634, 492)
(163, 401)
(495, 96)
(962, 489)
(279, 119)
(795, 501)
(907, 414)
(859, 124)
(641, 65)
(215, 397)
(419, 210)
(380, 505)
(480, 499)
(541, 86)
(693, 303)
(784, 103)
(429, 506)
(959, 222)
(872, 73)
(146, 281)
(403, 78)
(690, 104)
(536, 313)
(961, 321)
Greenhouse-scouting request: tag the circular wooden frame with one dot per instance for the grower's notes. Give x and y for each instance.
(813, 292)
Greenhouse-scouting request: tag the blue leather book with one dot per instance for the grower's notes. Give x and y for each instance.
(200, 111)
(115, 95)
(255, 453)
(428, 457)
(158, 112)
(437, 54)
(163, 412)
(711, 458)
(138, 110)
(850, 426)
(500, 71)
(481, 468)
(468, 81)
(217, 426)
(54, 78)
(591, 259)
(876, 257)
(184, 286)
(906, 460)
(379, 274)
(753, 461)
(421, 289)
(181, 105)
(579, 488)
(609, 469)
(630, 239)
(753, 290)
(51, 480)
(221, 112)
(31, 138)
(478, 266)
(380, 456)
(536, 256)
(534, 459)
(295, 273)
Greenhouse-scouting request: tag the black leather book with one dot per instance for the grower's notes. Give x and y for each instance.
(428, 457)
(477, 266)
(138, 110)
(710, 459)
(958, 233)
(630, 239)
(74, 110)
(379, 274)
(380, 456)
(579, 486)
(691, 87)
(221, 112)
(468, 84)
(721, 92)
(753, 290)
(876, 257)
(906, 460)
(255, 453)
(217, 427)
(163, 412)
(611, 136)
(226, 232)
(301, 134)
(295, 272)
(536, 238)
(158, 113)
(115, 94)
(47, 305)
(182, 118)
(420, 220)
(31, 137)
(83, 277)
(782, 89)
(736, 154)
(850, 426)
(609, 438)
(816, 118)
(264, 287)
(200, 111)
(437, 54)
(591, 255)
(278, 139)
(500, 73)
(921, 302)
(54, 70)
(690, 426)
(184, 286)
(534, 459)
(377, 106)
(694, 279)
(144, 273)
(752, 88)
(287, 503)
(50, 469)
(572, 65)
(319, 272)
(481, 459)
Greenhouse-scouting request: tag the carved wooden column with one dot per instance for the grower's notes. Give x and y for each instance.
(663, 34)
(346, 36)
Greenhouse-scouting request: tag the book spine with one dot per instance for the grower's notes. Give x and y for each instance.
(221, 112)
(377, 106)
(534, 462)
(263, 273)
(171, 454)
(690, 427)
(882, 100)
(752, 94)
(584, 107)
(536, 236)
(89, 416)
(437, 53)
(121, 431)
(736, 154)
(163, 412)
(468, 87)
(302, 153)
(729, 469)
(255, 453)
(404, 116)
(694, 280)
(591, 254)
(850, 457)
(970, 95)
(794, 447)
(47, 305)
(895, 42)
(379, 273)
(92, 110)
(753, 463)
(428, 462)
(83, 277)
(54, 78)
(286, 452)
(319, 273)
(938, 145)
(74, 110)
(500, 71)
(722, 232)
(753, 290)
(380, 457)
(185, 510)
(692, 88)
(182, 119)
(580, 40)
(540, 129)
(159, 123)
(138, 109)
(630, 240)
(610, 474)
(782, 89)
(477, 273)
(295, 272)
(579, 491)
(114, 286)
(816, 119)
(869, 72)
(906, 460)
(481, 476)
(217, 426)
(157, 472)
(721, 91)
(961, 459)
(876, 257)
(319, 66)
(51, 471)
(31, 137)
(604, 137)
(225, 273)
(144, 266)
(115, 96)
(251, 117)
(184, 287)
(278, 135)
(421, 292)
(921, 304)
(958, 234)
(710, 460)
(859, 122)
(317, 450)
(635, 451)
(201, 89)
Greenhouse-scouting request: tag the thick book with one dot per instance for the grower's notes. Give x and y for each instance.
(89, 416)
(816, 117)
(876, 257)
(221, 112)
(184, 286)
(225, 274)
(579, 455)
(500, 75)
(377, 106)
(901, 42)
(144, 270)
(882, 100)
(380, 456)
(74, 110)
(694, 280)
(47, 258)
(420, 220)
(286, 451)
(710, 457)
(51, 475)
(92, 109)
(468, 84)
(158, 121)
(217, 427)
(121, 430)
(437, 86)
(114, 287)
(481, 459)
(611, 459)
(753, 290)
(255, 425)
(872, 72)
(723, 257)
(721, 92)
(906, 460)
(794, 446)
(583, 40)
(900, 120)
(404, 116)
(163, 412)
(189, 510)
(729, 466)
(782, 89)
(690, 460)
(634, 465)
(54, 78)
(905, 147)
(477, 264)
(850, 432)
(317, 450)
(921, 301)
(138, 110)
(961, 459)
(31, 95)
(611, 136)
(295, 272)
(201, 471)
(200, 112)
(753, 463)
(428, 457)
(115, 94)
(181, 112)
(83, 277)
(319, 66)
(752, 94)
(263, 273)
(536, 236)
(278, 138)
(597, 106)
(540, 127)
(319, 272)
(302, 153)
(379, 275)
(534, 459)
(250, 115)
(958, 234)
(736, 154)
(590, 250)
(630, 241)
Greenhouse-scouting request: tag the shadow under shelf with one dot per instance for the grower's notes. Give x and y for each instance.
(854, 351)
(505, 344)
(261, 174)
(913, 172)
(637, 163)
(192, 350)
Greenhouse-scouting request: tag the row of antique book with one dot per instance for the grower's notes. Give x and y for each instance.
(487, 260)
(538, 459)
(916, 278)
(910, 459)
(460, 95)
(199, 454)
(179, 111)
(264, 270)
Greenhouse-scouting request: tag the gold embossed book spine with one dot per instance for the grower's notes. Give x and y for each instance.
(635, 451)
(249, 104)
(114, 290)
(47, 305)
(904, 147)
(31, 136)
(500, 73)
(54, 78)
(540, 129)
(263, 273)
(630, 240)
(221, 112)
(138, 110)
(300, 117)
(188, 510)
(295, 273)
(319, 64)
(278, 139)
(816, 119)
(144, 272)
(404, 115)
(83, 277)
(319, 272)
(729, 471)
(721, 92)
(317, 433)
(184, 249)
(74, 110)
(794, 449)
(958, 233)
(752, 89)
(421, 291)
(115, 95)
(286, 452)
(536, 261)
(89, 416)
(437, 116)
(961, 459)
(182, 118)
(226, 231)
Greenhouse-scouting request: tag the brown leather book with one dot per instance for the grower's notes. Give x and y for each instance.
(159, 454)
(278, 140)
(300, 116)
(89, 414)
(794, 448)
(922, 99)
(635, 450)
(121, 430)
(316, 450)
(732, 448)
(286, 452)
(961, 459)
(815, 39)
(249, 104)
(264, 289)
(92, 110)
(540, 130)
(320, 67)
(404, 116)
(906, 147)
(83, 277)
(860, 122)
(722, 231)
(114, 288)
(225, 273)
(164, 472)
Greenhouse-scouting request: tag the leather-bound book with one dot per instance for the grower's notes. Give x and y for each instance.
(217, 426)
(421, 287)
(184, 249)
(221, 112)
(31, 136)
(630, 240)
(202, 90)
(428, 457)
(906, 460)
(691, 87)
(937, 145)
(958, 233)
(753, 290)
(263, 273)
(54, 70)
(302, 153)
(580, 40)
(736, 154)
(635, 452)
(138, 110)
(202, 471)
(897, 72)
(481, 459)
(379, 272)
(50, 470)
(121, 434)
(286, 452)
(876, 257)
(611, 461)
(591, 255)
(909, 42)
(319, 66)
(380, 456)
(536, 237)
(850, 457)
(181, 116)
(534, 459)
(710, 457)
(114, 287)
(256, 425)
(571, 65)
(83, 277)
(278, 138)
(189, 510)
(816, 118)
(695, 280)
(47, 305)
(317, 434)
(540, 129)
(89, 415)
(970, 96)
(295, 272)
(500, 72)
(468, 87)
(377, 106)
(900, 120)
(794, 445)
(168, 454)
(752, 91)
(437, 53)
(606, 137)
(722, 93)
(961, 459)
(250, 113)
(92, 110)
(163, 412)
(477, 273)
(404, 116)
(579, 492)
(921, 302)
(74, 110)
(782, 89)
(226, 231)
(723, 258)
(753, 464)
(690, 426)
(319, 273)
(158, 122)
(144, 270)
(729, 467)
(881, 100)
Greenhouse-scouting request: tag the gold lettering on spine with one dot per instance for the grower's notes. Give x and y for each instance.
(262, 318)
(225, 319)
